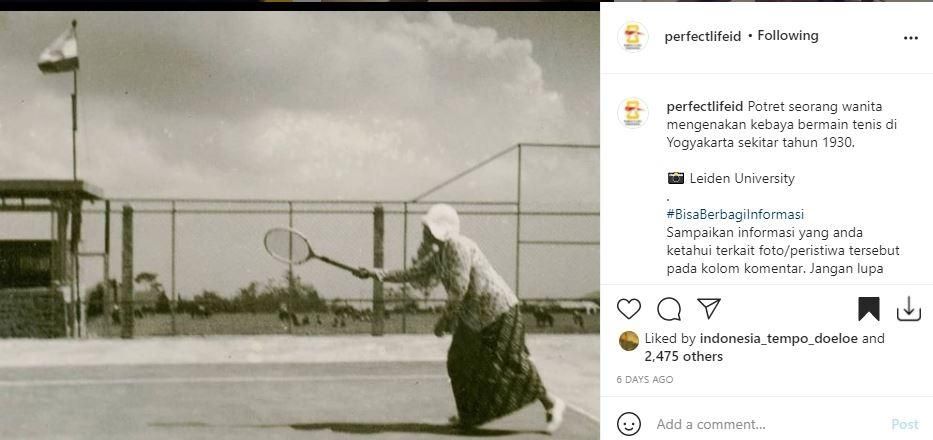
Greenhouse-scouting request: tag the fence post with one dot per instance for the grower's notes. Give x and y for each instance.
(173, 302)
(518, 222)
(291, 273)
(62, 262)
(80, 312)
(127, 288)
(105, 305)
(378, 300)
(405, 266)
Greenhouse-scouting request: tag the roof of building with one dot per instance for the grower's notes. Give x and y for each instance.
(49, 189)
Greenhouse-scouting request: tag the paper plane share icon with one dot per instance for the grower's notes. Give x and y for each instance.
(710, 304)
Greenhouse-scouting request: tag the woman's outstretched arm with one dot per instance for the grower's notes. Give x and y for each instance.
(422, 270)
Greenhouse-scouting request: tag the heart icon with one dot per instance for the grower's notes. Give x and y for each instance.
(628, 307)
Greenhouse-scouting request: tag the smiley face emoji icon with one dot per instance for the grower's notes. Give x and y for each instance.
(629, 424)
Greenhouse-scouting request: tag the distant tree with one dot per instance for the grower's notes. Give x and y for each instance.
(163, 305)
(307, 297)
(182, 305)
(95, 300)
(149, 281)
(253, 298)
(336, 303)
(95, 297)
(212, 301)
(302, 297)
(146, 277)
(246, 299)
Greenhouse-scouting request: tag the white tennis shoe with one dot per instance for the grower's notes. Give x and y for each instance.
(555, 415)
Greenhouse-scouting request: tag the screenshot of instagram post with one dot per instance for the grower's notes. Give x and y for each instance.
(765, 269)
(309, 224)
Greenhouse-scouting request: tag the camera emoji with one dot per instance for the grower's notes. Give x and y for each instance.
(675, 178)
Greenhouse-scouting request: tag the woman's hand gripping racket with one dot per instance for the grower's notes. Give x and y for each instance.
(290, 246)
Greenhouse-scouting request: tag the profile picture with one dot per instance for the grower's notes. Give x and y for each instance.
(628, 340)
(633, 37)
(633, 112)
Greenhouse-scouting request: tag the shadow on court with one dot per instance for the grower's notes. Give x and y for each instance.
(411, 428)
(369, 428)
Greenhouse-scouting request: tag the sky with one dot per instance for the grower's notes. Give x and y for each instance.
(306, 105)
(287, 105)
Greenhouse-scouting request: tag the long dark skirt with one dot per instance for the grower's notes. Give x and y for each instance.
(490, 371)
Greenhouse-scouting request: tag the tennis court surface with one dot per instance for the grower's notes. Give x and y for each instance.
(382, 398)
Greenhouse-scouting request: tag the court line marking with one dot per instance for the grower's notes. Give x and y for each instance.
(211, 379)
(582, 412)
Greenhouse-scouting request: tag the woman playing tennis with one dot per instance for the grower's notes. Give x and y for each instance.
(489, 366)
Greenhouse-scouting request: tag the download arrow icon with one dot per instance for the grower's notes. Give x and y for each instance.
(908, 314)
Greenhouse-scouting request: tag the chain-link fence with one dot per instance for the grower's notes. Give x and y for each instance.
(339, 316)
(193, 258)
(199, 265)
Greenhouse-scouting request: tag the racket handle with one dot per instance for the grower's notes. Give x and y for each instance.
(335, 263)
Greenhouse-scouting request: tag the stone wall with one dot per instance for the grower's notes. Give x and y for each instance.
(31, 313)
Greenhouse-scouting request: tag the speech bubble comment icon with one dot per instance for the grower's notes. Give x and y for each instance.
(669, 309)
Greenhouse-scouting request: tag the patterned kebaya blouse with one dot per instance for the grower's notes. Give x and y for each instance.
(476, 293)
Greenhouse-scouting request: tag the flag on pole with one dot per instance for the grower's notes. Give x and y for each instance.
(61, 55)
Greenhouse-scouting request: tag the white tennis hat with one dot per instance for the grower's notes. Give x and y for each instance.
(443, 221)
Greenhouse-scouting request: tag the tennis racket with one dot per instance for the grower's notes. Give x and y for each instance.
(290, 246)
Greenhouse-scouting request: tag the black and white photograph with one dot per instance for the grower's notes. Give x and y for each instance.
(299, 225)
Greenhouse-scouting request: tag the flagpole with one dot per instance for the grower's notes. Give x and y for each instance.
(78, 308)
(74, 115)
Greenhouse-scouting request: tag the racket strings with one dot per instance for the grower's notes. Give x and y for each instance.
(288, 245)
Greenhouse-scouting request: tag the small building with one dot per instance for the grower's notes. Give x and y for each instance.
(39, 278)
